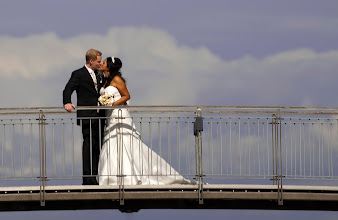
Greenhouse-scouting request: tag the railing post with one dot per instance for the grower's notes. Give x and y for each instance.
(277, 176)
(42, 151)
(198, 128)
(120, 174)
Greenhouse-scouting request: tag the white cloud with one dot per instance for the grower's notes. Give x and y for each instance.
(159, 71)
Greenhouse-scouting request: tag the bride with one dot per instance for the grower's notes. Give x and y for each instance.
(124, 158)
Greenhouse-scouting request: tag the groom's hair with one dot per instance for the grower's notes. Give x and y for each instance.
(92, 55)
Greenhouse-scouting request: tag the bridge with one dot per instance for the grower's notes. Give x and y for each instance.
(239, 157)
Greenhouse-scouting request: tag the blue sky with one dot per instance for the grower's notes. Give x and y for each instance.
(175, 52)
(219, 52)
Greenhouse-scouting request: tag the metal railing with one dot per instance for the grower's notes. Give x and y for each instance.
(226, 144)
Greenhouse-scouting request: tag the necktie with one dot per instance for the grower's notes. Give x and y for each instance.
(92, 74)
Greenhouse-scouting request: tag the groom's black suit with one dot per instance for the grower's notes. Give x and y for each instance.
(82, 82)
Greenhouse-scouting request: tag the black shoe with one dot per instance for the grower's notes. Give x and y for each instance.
(90, 181)
(94, 182)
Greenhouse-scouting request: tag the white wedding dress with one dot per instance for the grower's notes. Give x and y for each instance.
(125, 159)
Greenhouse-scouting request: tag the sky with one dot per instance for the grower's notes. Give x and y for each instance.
(175, 52)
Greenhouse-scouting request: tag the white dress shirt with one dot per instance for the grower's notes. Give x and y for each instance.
(92, 74)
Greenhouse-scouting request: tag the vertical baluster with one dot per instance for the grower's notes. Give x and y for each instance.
(178, 138)
(322, 149)
(259, 147)
(304, 156)
(212, 146)
(73, 145)
(150, 162)
(227, 147)
(255, 148)
(188, 145)
(160, 150)
(187, 161)
(313, 151)
(329, 149)
(286, 149)
(267, 145)
(3, 151)
(239, 146)
(133, 164)
(221, 144)
(13, 150)
(273, 141)
(31, 146)
(299, 150)
(264, 147)
(245, 143)
(22, 148)
(140, 149)
(249, 147)
(169, 144)
(319, 146)
(309, 146)
(328, 142)
(63, 149)
(209, 149)
(54, 148)
(218, 149)
(332, 149)
(295, 151)
(236, 149)
(230, 145)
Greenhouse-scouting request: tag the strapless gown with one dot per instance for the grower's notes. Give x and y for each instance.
(125, 159)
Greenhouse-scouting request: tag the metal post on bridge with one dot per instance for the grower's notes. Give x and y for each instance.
(277, 178)
(198, 128)
(120, 144)
(42, 151)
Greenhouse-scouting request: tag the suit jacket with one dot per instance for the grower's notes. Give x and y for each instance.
(82, 82)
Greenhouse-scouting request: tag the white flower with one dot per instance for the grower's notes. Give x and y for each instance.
(106, 99)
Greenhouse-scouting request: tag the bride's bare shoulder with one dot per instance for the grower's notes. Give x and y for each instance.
(118, 80)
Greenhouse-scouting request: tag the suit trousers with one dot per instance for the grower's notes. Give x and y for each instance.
(90, 150)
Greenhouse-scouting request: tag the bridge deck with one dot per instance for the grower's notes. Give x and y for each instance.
(169, 197)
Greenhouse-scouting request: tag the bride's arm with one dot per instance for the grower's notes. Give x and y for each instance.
(121, 86)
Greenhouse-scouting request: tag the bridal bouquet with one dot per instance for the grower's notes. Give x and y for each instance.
(106, 100)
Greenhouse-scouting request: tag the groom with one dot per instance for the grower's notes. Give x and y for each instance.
(87, 85)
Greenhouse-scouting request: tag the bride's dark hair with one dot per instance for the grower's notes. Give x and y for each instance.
(114, 69)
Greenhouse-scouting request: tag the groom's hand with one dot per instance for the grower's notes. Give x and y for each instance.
(69, 107)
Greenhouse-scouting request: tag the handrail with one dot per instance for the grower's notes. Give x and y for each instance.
(184, 106)
(236, 142)
(289, 110)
